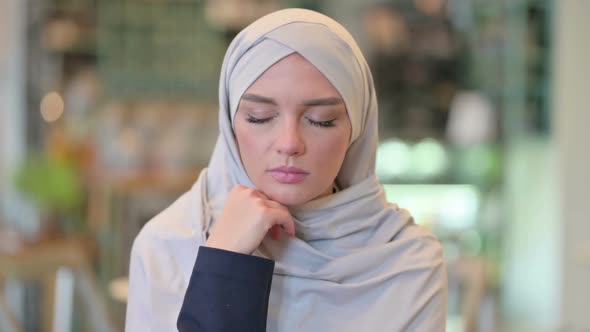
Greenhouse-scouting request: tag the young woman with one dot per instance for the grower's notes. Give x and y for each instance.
(288, 229)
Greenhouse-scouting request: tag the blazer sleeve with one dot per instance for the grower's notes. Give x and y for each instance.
(227, 291)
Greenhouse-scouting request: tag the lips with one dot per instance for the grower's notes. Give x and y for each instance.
(288, 174)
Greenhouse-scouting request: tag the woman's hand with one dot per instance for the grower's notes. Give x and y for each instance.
(246, 218)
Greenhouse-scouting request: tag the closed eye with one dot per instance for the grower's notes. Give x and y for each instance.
(252, 119)
(329, 123)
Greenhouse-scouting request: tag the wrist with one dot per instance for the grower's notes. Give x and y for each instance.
(212, 243)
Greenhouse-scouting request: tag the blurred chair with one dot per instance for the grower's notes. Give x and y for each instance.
(470, 277)
(62, 269)
(8, 322)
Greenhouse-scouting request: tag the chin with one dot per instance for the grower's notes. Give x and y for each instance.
(290, 196)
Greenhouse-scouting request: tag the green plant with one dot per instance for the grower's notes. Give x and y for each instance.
(53, 184)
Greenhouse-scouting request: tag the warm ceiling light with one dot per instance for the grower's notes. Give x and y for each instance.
(52, 107)
(430, 7)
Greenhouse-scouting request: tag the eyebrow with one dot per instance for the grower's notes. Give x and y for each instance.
(259, 99)
(310, 102)
(323, 101)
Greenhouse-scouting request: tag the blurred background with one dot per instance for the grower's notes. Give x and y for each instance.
(108, 111)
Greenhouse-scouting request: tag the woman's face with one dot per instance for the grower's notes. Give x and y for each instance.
(293, 132)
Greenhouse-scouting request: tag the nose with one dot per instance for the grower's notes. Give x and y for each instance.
(290, 141)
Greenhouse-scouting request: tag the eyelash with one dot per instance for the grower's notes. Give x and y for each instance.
(254, 120)
(322, 124)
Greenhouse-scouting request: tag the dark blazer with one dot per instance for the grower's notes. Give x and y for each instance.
(228, 291)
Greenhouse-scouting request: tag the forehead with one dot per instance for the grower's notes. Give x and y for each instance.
(293, 75)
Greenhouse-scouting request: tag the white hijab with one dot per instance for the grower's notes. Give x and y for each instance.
(357, 263)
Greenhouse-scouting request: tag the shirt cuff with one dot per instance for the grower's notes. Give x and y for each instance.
(225, 262)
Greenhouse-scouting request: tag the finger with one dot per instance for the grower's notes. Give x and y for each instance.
(239, 187)
(270, 203)
(260, 194)
(275, 205)
(275, 232)
(286, 222)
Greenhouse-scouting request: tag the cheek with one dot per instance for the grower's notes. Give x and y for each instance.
(331, 151)
(250, 146)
